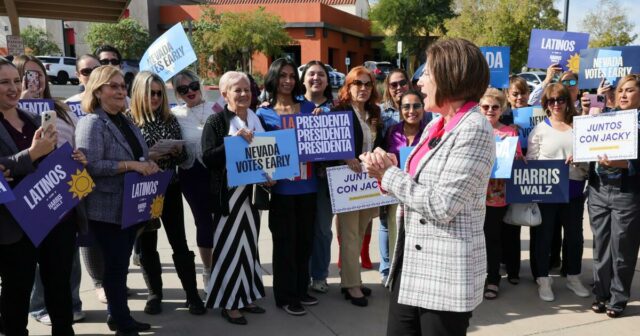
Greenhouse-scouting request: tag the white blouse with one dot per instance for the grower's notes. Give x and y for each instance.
(253, 123)
(192, 122)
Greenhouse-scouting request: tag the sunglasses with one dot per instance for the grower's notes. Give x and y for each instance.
(407, 107)
(401, 83)
(86, 71)
(155, 93)
(117, 86)
(490, 107)
(559, 100)
(184, 89)
(112, 61)
(360, 84)
(569, 82)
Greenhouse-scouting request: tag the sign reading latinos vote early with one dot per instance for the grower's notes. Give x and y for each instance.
(527, 118)
(143, 196)
(498, 59)
(350, 191)
(613, 133)
(505, 153)
(611, 63)
(169, 54)
(270, 156)
(322, 137)
(6, 194)
(548, 47)
(45, 196)
(76, 109)
(538, 181)
(36, 106)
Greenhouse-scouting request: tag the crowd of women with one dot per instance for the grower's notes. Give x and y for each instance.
(432, 244)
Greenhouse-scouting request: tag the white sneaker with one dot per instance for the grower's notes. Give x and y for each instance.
(206, 276)
(544, 289)
(79, 316)
(576, 286)
(102, 296)
(44, 319)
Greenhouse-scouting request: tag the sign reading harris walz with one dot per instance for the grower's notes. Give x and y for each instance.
(548, 47)
(611, 63)
(613, 133)
(538, 181)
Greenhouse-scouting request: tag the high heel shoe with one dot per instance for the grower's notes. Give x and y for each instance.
(598, 307)
(234, 320)
(366, 291)
(360, 301)
(614, 313)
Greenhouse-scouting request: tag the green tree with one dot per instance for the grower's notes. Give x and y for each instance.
(608, 25)
(409, 21)
(503, 23)
(38, 42)
(128, 36)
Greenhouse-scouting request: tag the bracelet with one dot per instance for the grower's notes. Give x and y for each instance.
(126, 168)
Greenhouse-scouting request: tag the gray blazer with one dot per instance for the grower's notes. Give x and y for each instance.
(20, 164)
(104, 145)
(442, 211)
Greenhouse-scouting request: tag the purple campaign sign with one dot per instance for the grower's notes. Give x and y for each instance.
(143, 197)
(6, 194)
(538, 181)
(36, 106)
(323, 137)
(44, 197)
(547, 47)
(76, 109)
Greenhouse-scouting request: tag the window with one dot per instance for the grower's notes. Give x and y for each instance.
(70, 61)
(310, 32)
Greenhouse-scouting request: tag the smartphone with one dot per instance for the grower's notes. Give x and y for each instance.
(33, 80)
(48, 118)
(597, 100)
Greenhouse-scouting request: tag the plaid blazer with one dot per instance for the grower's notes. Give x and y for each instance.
(442, 212)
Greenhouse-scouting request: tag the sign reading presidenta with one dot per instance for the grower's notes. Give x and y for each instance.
(169, 54)
(350, 191)
(36, 106)
(323, 137)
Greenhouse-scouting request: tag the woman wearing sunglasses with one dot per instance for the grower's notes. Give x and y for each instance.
(150, 111)
(570, 81)
(553, 140)
(194, 177)
(84, 66)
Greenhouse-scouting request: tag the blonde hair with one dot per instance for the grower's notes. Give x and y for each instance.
(497, 95)
(140, 106)
(230, 78)
(99, 77)
(624, 80)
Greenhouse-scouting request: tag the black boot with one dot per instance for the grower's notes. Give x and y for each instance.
(152, 273)
(186, 269)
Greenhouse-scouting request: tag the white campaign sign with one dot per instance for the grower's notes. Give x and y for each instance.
(613, 133)
(351, 191)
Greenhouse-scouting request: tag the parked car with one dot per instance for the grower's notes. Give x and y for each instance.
(379, 69)
(336, 79)
(130, 69)
(60, 69)
(533, 78)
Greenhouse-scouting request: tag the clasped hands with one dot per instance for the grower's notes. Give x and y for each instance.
(377, 162)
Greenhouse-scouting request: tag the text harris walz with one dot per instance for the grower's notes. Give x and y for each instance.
(539, 181)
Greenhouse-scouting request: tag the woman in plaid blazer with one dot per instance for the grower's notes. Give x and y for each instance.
(439, 264)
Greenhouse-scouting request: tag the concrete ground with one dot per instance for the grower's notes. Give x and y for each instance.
(518, 310)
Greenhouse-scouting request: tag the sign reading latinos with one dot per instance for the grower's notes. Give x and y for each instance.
(611, 63)
(45, 196)
(6, 194)
(527, 118)
(169, 54)
(36, 106)
(538, 181)
(505, 153)
(270, 156)
(613, 133)
(548, 47)
(498, 59)
(143, 196)
(404, 155)
(76, 109)
(351, 191)
(323, 137)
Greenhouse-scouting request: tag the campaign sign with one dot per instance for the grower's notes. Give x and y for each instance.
(322, 137)
(45, 196)
(404, 155)
(351, 191)
(270, 156)
(527, 118)
(6, 194)
(505, 153)
(613, 133)
(36, 106)
(76, 109)
(611, 63)
(548, 47)
(169, 54)
(538, 181)
(143, 196)
(498, 59)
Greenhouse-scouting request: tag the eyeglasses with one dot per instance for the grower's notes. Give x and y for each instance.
(569, 82)
(117, 86)
(184, 89)
(559, 100)
(112, 61)
(157, 93)
(86, 71)
(360, 84)
(407, 107)
(401, 83)
(490, 107)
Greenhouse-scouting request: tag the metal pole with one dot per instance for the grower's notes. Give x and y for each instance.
(566, 15)
(64, 40)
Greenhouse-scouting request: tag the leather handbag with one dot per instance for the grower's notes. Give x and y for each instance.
(523, 214)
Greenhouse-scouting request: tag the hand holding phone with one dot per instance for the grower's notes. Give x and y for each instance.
(32, 78)
(597, 100)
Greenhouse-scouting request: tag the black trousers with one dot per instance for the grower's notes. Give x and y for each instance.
(17, 271)
(493, 239)
(407, 320)
(291, 221)
(511, 248)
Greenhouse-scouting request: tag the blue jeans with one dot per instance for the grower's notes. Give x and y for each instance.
(383, 242)
(322, 235)
(37, 307)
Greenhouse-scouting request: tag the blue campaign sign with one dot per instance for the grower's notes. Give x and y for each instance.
(143, 196)
(404, 155)
(611, 63)
(527, 118)
(498, 59)
(169, 54)
(538, 181)
(36, 106)
(45, 196)
(505, 153)
(322, 137)
(6, 194)
(270, 156)
(548, 47)
(76, 109)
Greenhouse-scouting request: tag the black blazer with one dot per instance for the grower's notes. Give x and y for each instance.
(358, 135)
(213, 156)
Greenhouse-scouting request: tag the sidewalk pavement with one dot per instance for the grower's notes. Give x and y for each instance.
(518, 310)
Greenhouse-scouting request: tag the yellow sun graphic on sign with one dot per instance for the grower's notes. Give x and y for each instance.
(156, 206)
(81, 184)
(573, 63)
